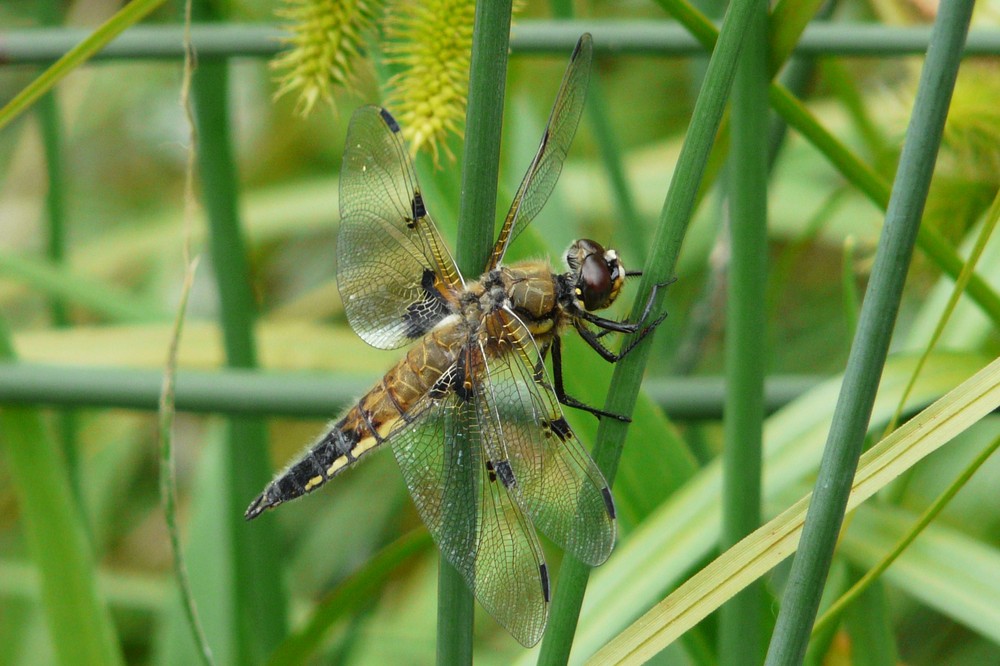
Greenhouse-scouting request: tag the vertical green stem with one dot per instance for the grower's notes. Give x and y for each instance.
(740, 639)
(258, 603)
(660, 263)
(868, 353)
(476, 216)
(55, 208)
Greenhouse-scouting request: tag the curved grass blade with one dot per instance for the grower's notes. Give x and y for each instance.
(833, 613)
(765, 548)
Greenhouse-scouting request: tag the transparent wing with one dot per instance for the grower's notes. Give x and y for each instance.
(557, 483)
(543, 172)
(395, 275)
(479, 529)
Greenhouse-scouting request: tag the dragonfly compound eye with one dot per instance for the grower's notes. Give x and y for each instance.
(596, 282)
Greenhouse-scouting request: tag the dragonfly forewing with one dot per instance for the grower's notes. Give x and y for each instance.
(395, 275)
(543, 172)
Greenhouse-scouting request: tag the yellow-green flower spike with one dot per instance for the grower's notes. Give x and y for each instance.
(325, 36)
(432, 40)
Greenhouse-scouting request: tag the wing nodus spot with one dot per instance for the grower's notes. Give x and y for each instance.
(506, 474)
(560, 428)
(389, 120)
(543, 572)
(417, 207)
(608, 502)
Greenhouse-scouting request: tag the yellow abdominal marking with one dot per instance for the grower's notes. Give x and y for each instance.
(313, 482)
(337, 464)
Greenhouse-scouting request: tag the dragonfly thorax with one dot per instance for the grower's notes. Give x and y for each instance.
(597, 275)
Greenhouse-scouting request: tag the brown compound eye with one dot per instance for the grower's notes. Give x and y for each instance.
(595, 282)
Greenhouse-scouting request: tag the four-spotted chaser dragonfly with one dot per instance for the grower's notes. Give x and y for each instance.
(470, 412)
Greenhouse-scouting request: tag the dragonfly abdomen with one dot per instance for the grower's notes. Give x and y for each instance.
(366, 425)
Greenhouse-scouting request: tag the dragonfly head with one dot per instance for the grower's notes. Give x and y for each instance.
(598, 274)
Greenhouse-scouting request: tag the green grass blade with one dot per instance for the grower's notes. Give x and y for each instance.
(128, 15)
(674, 218)
(740, 638)
(78, 621)
(834, 612)
(868, 353)
(786, 23)
(934, 427)
(944, 569)
(683, 531)
(476, 215)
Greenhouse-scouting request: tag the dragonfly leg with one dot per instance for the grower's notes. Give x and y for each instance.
(569, 400)
(611, 326)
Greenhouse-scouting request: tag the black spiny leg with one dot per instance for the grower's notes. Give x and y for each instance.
(568, 400)
(612, 326)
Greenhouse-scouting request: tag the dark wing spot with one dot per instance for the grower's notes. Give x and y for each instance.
(561, 428)
(543, 573)
(424, 314)
(389, 120)
(419, 210)
(608, 502)
(505, 473)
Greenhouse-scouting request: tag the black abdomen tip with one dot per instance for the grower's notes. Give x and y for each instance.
(258, 506)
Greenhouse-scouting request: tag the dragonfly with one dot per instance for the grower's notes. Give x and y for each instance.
(470, 411)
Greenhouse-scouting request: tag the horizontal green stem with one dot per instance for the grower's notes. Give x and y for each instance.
(235, 391)
(42, 45)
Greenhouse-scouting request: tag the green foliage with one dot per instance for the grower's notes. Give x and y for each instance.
(351, 568)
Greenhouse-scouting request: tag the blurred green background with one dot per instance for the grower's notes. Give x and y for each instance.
(107, 295)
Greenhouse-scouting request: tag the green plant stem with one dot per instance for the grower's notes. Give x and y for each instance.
(740, 638)
(674, 218)
(258, 603)
(73, 58)
(78, 622)
(847, 163)
(67, 286)
(476, 215)
(533, 36)
(868, 353)
(235, 391)
(55, 210)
